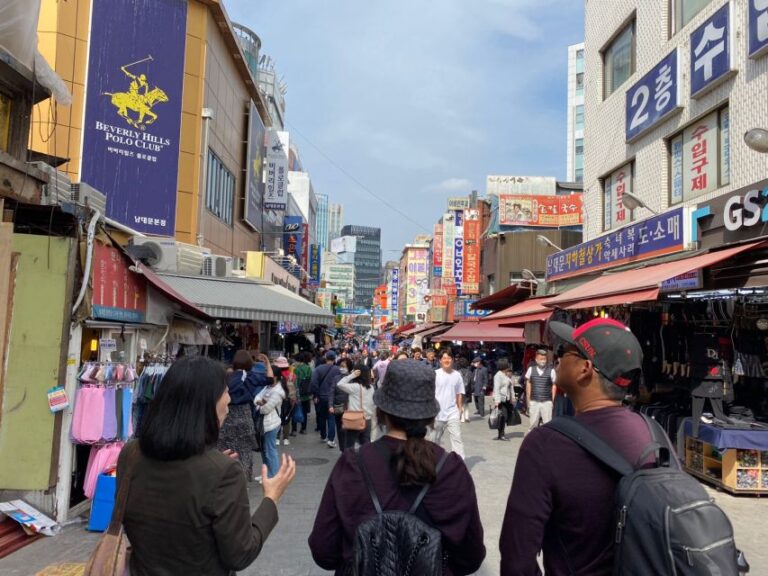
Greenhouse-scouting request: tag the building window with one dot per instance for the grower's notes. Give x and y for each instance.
(614, 187)
(219, 189)
(579, 148)
(619, 60)
(579, 54)
(700, 157)
(685, 10)
(578, 118)
(579, 174)
(580, 84)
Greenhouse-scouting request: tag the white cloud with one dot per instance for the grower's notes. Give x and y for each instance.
(451, 186)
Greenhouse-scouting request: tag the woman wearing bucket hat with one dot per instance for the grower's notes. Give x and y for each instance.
(399, 466)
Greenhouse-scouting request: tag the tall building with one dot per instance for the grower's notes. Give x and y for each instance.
(322, 222)
(339, 278)
(335, 221)
(575, 154)
(367, 262)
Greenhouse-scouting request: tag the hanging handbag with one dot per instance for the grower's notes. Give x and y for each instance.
(493, 419)
(514, 417)
(354, 420)
(110, 558)
(298, 413)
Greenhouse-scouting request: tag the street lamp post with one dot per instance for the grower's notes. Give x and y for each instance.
(544, 241)
(632, 202)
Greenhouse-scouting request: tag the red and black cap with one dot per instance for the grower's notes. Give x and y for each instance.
(609, 345)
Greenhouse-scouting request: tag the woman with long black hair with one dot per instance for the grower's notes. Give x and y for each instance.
(399, 466)
(359, 390)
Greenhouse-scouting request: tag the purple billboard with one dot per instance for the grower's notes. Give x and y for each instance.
(133, 109)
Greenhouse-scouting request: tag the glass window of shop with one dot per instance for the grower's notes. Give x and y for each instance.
(614, 186)
(685, 10)
(219, 189)
(619, 59)
(700, 157)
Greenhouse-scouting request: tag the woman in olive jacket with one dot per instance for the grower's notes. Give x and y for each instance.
(187, 510)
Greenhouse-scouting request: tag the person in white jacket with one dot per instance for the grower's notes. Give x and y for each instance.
(357, 384)
(268, 403)
(503, 395)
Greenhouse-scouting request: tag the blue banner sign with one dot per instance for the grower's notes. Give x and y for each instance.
(253, 213)
(662, 234)
(758, 28)
(293, 237)
(470, 313)
(288, 327)
(133, 109)
(711, 52)
(653, 97)
(395, 293)
(314, 264)
(352, 311)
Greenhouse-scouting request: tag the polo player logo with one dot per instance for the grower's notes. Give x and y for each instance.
(139, 98)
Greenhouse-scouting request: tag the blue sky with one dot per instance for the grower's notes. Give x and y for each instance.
(419, 100)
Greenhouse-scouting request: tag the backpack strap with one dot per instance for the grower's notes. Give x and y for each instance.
(368, 481)
(592, 443)
(423, 492)
(660, 446)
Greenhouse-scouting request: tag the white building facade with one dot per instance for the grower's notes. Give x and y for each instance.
(673, 86)
(335, 221)
(575, 151)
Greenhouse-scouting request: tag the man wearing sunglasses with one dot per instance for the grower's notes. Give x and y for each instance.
(562, 498)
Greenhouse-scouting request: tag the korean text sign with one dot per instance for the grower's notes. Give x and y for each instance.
(758, 28)
(653, 97)
(118, 293)
(458, 249)
(394, 291)
(276, 192)
(416, 281)
(254, 179)
(314, 264)
(471, 277)
(711, 51)
(437, 251)
(545, 211)
(449, 232)
(133, 109)
(663, 234)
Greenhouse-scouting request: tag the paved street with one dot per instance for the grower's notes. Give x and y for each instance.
(286, 552)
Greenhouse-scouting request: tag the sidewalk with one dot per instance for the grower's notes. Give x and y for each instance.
(286, 552)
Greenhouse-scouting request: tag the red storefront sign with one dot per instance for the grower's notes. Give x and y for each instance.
(470, 283)
(437, 249)
(549, 211)
(118, 293)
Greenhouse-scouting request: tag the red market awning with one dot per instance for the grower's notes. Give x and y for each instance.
(417, 329)
(638, 284)
(403, 328)
(531, 310)
(439, 329)
(476, 331)
(503, 298)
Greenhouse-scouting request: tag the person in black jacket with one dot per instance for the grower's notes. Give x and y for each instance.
(323, 381)
(341, 400)
(480, 379)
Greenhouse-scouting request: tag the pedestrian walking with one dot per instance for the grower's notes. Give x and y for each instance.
(503, 395)
(466, 376)
(431, 359)
(323, 380)
(268, 403)
(397, 469)
(341, 400)
(568, 515)
(539, 390)
(288, 382)
(187, 505)
(358, 387)
(480, 379)
(303, 373)
(449, 391)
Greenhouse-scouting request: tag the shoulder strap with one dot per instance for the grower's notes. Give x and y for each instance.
(592, 443)
(121, 499)
(423, 492)
(368, 482)
(660, 445)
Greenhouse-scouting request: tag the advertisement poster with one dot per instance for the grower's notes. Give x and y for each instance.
(470, 283)
(293, 241)
(254, 174)
(437, 251)
(523, 185)
(448, 238)
(118, 293)
(548, 211)
(416, 281)
(133, 110)
(458, 249)
(276, 191)
(394, 294)
(314, 265)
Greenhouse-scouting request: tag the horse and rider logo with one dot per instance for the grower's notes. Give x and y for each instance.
(139, 98)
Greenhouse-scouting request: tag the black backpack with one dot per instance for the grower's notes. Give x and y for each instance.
(397, 543)
(665, 521)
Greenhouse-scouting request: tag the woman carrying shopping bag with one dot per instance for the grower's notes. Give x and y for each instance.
(503, 395)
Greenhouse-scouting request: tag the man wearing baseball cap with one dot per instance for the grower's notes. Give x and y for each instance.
(562, 498)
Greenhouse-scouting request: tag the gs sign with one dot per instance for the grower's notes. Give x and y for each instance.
(747, 211)
(739, 216)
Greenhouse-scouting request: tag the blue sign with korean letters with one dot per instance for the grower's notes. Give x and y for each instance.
(758, 28)
(662, 234)
(653, 97)
(470, 312)
(711, 51)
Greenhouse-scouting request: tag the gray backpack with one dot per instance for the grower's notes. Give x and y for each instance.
(397, 543)
(665, 522)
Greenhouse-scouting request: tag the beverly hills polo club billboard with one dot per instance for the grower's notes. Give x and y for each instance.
(133, 109)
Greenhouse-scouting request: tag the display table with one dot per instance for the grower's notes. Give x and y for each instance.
(734, 460)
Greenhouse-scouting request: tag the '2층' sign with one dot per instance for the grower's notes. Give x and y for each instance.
(653, 97)
(711, 52)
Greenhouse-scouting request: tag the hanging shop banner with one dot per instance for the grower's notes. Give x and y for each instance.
(133, 109)
(470, 283)
(458, 249)
(437, 251)
(276, 191)
(462, 310)
(652, 98)
(700, 164)
(458, 203)
(293, 241)
(416, 281)
(314, 264)
(254, 173)
(304, 263)
(288, 327)
(549, 211)
(758, 28)
(118, 293)
(692, 280)
(711, 52)
(524, 185)
(614, 186)
(394, 293)
(448, 240)
(662, 234)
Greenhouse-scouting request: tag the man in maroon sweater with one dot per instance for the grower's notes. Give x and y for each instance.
(562, 498)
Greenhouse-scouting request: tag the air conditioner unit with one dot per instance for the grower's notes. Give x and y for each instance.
(59, 187)
(189, 258)
(86, 195)
(218, 266)
(162, 253)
